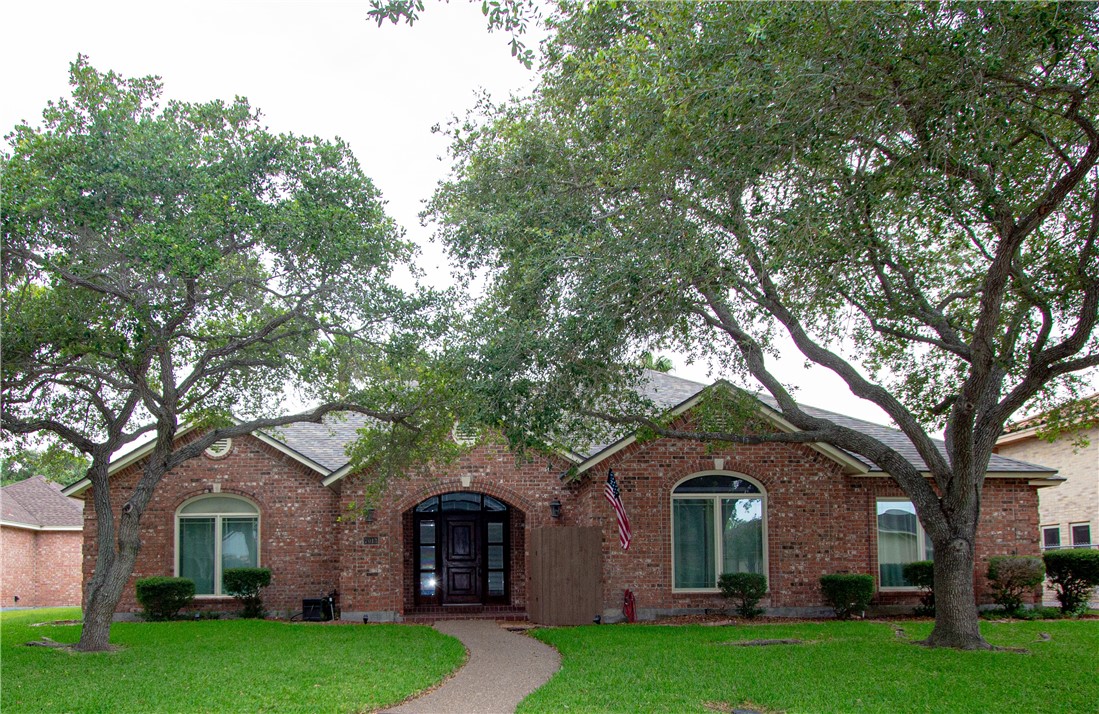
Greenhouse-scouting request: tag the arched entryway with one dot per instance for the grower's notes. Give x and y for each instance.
(461, 550)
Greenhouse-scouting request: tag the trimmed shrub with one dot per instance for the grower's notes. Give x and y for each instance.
(1073, 574)
(847, 593)
(163, 597)
(745, 590)
(244, 584)
(1012, 577)
(921, 573)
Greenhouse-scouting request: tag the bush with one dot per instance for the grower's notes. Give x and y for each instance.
(745, 590)
(1011, 577)
(921, 573)
(163, 597)
(1073, 573)
(847, 593)
(244, 584)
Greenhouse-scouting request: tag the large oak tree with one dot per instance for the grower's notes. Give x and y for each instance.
(907, 192)
(179, 265)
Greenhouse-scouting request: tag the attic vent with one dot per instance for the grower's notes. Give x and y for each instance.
(464, 434)
(219, 448)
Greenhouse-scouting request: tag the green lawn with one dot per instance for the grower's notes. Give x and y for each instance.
(219, 666)
(845, 667)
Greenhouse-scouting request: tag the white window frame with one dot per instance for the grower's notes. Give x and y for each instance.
(1072, 535)
(1056, 528)
(217, 539)
(921, 546)
(716, 535)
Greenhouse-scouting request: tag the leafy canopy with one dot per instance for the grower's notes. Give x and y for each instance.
(170, 261)
(906, 190)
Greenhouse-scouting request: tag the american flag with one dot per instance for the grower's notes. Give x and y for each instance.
(613, 495)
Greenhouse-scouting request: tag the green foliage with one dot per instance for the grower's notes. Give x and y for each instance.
(262, 666)
(1012, 577)
(244, 584)
(1073, 574)
(905, 191)
(657, 363)
(163, 597)
(168, 261)
(512, 16)
(921, 573)
(745, 590)
(55, 462)
(188, 235)
(847, 593)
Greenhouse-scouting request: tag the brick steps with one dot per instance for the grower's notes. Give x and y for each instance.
(426, 615)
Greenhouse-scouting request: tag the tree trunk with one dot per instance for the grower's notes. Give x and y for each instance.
(102, 601)
(114, 563)
(956, 621)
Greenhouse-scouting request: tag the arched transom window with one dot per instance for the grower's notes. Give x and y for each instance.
(718, 526)
(213, 534)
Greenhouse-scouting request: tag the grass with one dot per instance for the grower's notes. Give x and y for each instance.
(843, 667)
(219, 666)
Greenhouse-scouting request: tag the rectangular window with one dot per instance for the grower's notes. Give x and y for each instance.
(196, 553)
(742, 535)
(901, 540)
(694, 543)
(1081, 535)
(1051, 537)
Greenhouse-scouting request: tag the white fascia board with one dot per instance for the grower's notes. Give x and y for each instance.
(76, 490)
(35, 527)
(1011, 438)
(1034, 477)
(336, 475)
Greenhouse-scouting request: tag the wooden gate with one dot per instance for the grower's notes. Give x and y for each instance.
(566, 575)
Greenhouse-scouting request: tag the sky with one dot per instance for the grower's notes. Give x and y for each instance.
(319, 68)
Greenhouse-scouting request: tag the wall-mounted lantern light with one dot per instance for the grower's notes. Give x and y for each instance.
(555, 508)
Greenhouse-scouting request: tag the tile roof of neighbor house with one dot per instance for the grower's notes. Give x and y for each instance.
(326, 443)
(38, 503)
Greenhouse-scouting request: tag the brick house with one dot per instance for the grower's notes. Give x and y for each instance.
(478, 535)
(40, 542)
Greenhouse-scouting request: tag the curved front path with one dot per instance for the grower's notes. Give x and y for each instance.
(503, 668)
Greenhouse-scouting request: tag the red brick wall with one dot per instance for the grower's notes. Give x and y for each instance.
(818, 521)
(379, 577)
(298, 518)
(315, 539)
(41, 567)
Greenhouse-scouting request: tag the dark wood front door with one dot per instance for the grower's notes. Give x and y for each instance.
(461, 550)
(462, 559)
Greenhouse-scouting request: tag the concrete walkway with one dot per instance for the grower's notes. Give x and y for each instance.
(503, 668)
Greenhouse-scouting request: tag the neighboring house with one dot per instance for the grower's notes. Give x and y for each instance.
(494, 534)
(1068, 514)
(40, 538)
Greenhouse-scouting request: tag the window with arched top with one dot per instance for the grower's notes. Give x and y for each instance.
(215, 533)
(719, 525)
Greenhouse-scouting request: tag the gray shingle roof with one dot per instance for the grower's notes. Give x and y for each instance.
(37, 502)
(662, 388)
(324, 443)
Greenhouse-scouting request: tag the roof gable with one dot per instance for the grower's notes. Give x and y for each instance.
(663, 388)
